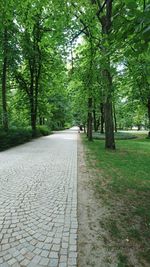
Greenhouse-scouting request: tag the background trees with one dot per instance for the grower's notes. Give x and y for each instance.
(81, 62)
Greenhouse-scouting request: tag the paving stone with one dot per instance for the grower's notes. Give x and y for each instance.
(12, 261)
(25, 262)
(44, 261)
(7, 257)
(47, 247)
(37, 251)
(36, 259)
(29, 255)
(56, 248)
(20, 258)
(63, 264)
(16, 264)
(72, 261)
(5, 247)
(53, 263)
(1, 260)
(53, 255)
(63, 258)
(44, 253)
(5, 264)
(38, 203)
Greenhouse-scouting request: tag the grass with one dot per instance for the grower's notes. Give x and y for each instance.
(122, 261)
(17, 136)
(123, 183)
(118, 136)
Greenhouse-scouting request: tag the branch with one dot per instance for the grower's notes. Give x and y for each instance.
(84, 29)
(22, 82)
(101, 8)
(76, 36)
(99, 4)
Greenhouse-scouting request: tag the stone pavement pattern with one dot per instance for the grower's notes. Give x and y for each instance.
(38, 203)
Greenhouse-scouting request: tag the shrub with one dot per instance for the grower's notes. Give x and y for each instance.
(16, 136)
(43, 130)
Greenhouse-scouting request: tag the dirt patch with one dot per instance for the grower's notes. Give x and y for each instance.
(93, 247)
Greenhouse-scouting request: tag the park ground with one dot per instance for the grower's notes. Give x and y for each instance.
(38, 202)
(114, 203)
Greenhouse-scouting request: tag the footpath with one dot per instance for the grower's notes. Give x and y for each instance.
(38, 202)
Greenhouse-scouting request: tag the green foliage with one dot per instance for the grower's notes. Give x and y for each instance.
(51, 73)
(42, 130)
(16, 136)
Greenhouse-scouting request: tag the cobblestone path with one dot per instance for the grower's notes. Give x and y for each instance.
(38, 202)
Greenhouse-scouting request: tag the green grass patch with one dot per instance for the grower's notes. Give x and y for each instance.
(112, 227)
(122, 260)
(123, 183)
(118, 136)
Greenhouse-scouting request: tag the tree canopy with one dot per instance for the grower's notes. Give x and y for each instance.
(75, 62)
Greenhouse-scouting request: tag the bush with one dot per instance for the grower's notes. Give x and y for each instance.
(14, 137)
(17, 136)
(43, 130)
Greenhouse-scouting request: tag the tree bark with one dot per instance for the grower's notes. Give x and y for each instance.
(108, 114)
(115, 119)
(40, 120)
(94, 121)
(148, 109)
(35, 70)
(89, 124)
(32, 97)
(109, 141)
(4, 83)
(102, 118)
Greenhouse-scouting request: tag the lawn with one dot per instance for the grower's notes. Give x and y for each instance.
(122, 182)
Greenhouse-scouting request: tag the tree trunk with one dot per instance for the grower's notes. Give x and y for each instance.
(102, 118)
(109, 129)
(32, 98)
(4, 81)
(89, 124)
(35, 70)
(108, 114)
(115, 119)
(33, 117)
(94, 120)
(41, 120)
(148, 107)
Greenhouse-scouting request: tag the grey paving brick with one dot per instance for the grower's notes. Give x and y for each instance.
(38, 203)
(12, 261)
(36, 259)
(53, 263)
(44, 261)
(53, 255)
(63, 264)
(44, 253)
